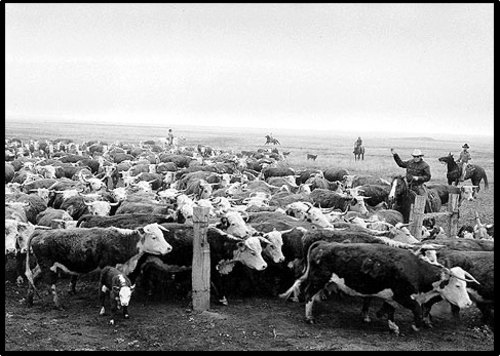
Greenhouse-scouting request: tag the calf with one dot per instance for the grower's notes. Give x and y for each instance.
(117, 286)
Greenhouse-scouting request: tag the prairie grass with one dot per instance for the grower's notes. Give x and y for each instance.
(333, 149)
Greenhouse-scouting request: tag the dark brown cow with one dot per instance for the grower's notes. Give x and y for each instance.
(225, 251)
(374, 270)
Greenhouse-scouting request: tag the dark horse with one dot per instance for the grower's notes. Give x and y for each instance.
(271, 140)
(401, 198)
(359, 153)
(474, 172)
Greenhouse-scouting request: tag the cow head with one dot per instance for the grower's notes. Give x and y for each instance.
(152, 240)
(123, 292)
(466, 232)
(273, 246)
(452, 286)
(357, 203)
(249, 252)
(233, 223)
(468, 192)
(119, 194)
(100, 208)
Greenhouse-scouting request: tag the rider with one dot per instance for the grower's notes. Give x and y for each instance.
(417, 171)
(358, 143)
(170, 137)
(463, 161)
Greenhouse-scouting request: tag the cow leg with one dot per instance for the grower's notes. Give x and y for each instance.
(72, 285)
(309, 306)
(102, 298)
(388, 309)
(364, 311)
(416, 309)
(426, 311)
(485, 309)
(56, 300)
(20, 267)
(455, 311)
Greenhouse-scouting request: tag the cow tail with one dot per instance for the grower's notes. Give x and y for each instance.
(295, 288)
(28, 272)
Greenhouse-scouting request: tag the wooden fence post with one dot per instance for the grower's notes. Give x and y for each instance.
(454, 210)
(417, 217)
(201, 260)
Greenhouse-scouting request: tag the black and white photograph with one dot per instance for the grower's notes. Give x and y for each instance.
(249, 176)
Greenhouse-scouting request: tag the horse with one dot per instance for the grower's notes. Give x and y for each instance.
(474, 172)
(401, 198)
(359, 153)
(271, 140)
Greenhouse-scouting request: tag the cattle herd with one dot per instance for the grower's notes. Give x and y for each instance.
(126, 212)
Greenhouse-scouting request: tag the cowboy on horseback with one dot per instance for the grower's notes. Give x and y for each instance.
(358, 143)
(463, 161)
(417, 172)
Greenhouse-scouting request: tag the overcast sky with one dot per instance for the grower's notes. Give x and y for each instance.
(383, 67)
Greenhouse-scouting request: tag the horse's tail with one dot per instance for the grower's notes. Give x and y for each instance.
(485, 180)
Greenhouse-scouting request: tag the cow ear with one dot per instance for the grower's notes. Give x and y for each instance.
(116, 288)
(132, 288)
(241, 245)
(141, 230)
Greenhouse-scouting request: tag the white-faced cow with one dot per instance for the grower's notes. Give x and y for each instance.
(81, 251)
(375, 270)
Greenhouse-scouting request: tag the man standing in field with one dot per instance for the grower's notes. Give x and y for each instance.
(170, 137)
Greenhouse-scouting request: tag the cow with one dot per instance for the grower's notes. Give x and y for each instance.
(115, 285)
(46, 217)
(17, 235)
(306, 211)
(376, 192)
(481, 265)
(81, 251)
(356, 180)
(335, 174)
(100, 207)
(466, 232)
(226, 250)
(232, 223)
(325, 198)
(124, 221)
(276, 172)
(312, 157)
(374, 270)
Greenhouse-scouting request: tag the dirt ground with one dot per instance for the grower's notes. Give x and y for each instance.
(251, 323)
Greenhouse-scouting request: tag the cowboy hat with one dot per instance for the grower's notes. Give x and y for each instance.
(465, 145)
(417, 153)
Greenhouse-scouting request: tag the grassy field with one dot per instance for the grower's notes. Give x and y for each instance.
(333, 149)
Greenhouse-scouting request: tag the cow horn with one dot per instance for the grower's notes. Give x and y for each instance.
(449, 271)
(472, 279)
(91, 203)
(163, 228)
(114, 204)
